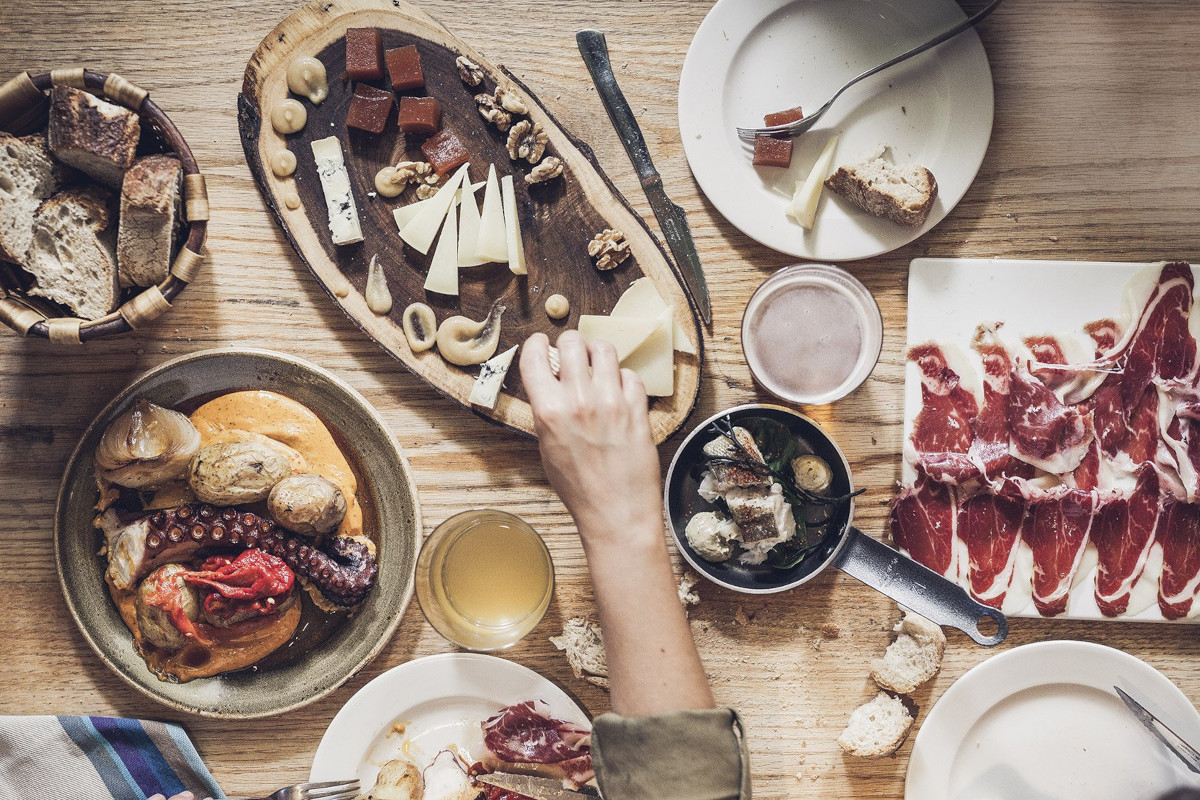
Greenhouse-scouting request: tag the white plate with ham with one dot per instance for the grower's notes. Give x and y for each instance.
(1048, 490)
(458, 710)
(1042, 722)
(750, 58)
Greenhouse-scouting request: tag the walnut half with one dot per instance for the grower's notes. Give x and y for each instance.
(609, 248)
(527, 140)
(509, 101)
(492, 112)
(469, 71)
(549, 168)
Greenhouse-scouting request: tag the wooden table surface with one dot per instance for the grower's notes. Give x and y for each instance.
(1094, 155)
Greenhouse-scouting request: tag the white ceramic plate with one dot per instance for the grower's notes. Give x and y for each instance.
(752, 57)
(432, 702)
(1042, 722)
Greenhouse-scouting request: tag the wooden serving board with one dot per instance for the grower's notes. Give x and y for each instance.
(558, 218)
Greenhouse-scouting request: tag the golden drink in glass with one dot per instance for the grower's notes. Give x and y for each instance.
(484, 579)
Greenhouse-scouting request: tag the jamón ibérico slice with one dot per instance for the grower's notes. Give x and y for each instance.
(522, 734)
(989, 449)
(1123, 533)
(990, 527)
(1179, 423)
(941, 436)
(923, 525)
(1048, 350)
(1057, 533)
(1179, 535)
(1042, 431)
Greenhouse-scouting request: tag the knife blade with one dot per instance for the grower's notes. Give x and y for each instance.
(1174, 742)
(671, 217)
(535, 787)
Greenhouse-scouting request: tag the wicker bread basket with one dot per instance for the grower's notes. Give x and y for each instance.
(24, 104)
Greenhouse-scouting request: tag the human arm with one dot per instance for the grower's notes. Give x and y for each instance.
(594, 431)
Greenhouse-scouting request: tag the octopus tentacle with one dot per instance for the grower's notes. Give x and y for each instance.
(343, 569)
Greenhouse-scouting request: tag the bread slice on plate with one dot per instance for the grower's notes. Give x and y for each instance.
(584, 645)
(93, 135)
(73, 252)
(876, 728)
(149, 219)
(28, 175)
(902, 193)
(914, 658)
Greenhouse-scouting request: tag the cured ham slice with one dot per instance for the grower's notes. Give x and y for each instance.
(1179, 535)
(1057, 533)
(990, 526)
(1179, 422)
(989, 449)
(522, 734)
(1123, 533)
(923, 521)
(941, 436)
(1042, 431)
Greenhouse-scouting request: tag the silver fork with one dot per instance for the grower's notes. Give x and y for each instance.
(326, 790)
(793, 129)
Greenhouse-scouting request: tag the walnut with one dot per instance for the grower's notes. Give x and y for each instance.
(492, 112)
(609, 248)
(527, 140)
(549, 168)
(426, 191)
(468, 71)
(391, 181)
(509, 101)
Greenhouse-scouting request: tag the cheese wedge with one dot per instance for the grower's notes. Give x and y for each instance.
(493, 238)
(443, 269)
(422, 229)
(486, 390)
(404, 214)
(654, 359)
(642, 299)
(626, 334)
(512, 227)
(335, 183)
(803, 207)
(468, 229)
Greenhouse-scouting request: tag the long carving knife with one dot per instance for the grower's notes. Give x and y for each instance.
(671, 218)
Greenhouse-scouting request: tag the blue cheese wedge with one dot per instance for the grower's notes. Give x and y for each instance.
(486, 390)
(335, 182)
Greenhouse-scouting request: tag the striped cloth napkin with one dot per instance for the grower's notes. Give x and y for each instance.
(98, 758)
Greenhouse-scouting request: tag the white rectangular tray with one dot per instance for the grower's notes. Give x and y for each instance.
(949, 297)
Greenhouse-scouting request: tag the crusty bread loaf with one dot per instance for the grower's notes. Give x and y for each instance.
(902, 193)
(73, 251)
(876, 728)
(914, 658)
(149, 220)
(28, 175)
(93, 135)
(584, 645)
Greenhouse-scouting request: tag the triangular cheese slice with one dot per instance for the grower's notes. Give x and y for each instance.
(468, 229)
(642, 299)
(626, 334)
(404, 214)
(422, 229)
(512, 227)
(493, 238)
(654, 359)
(443, 269)
(486, 390)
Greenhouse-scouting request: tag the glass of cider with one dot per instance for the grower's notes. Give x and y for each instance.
(484, 579)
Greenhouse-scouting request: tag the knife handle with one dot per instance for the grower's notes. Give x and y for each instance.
(594, 50)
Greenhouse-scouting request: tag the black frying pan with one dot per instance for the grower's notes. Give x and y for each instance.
(841, 544)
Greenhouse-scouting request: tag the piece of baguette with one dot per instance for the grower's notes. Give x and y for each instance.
(93, 135)
(73, 251)
(914, 658)
(876, 728)
(28, 176)
(583, 643)
(902, 193)
(150, 197)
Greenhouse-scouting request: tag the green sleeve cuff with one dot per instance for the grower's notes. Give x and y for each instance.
(679, 755)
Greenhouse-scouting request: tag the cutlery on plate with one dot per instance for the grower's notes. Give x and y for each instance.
(535, 787)
(798, 127)
(671, 217)
(1174, 742)
(325, 790)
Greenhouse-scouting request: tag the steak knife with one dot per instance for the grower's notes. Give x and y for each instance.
(671, 217)
(535, 787)
(1174, 742)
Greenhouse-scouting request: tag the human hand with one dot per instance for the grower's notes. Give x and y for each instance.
(181, 796)
(593, 428)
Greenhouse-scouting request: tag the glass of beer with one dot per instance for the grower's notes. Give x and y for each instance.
(484, 579)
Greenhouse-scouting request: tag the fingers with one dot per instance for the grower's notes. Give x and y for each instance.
(535, 367)
(156, 797)
(574, 369)
(605, 370)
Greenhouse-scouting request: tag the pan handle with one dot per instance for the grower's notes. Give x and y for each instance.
(917, 587)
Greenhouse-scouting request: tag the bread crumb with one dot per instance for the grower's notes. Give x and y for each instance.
(687, 589)
(741, 617)
(829, 631)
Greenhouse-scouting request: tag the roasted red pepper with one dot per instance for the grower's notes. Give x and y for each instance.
(253, 582)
